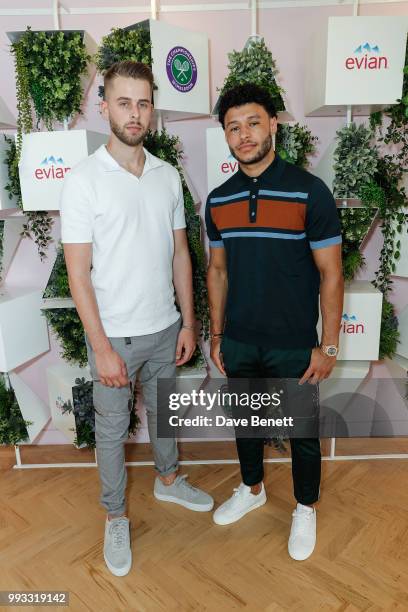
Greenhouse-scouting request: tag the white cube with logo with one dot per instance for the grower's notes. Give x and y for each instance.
(46, 158)
(355, 61)
(180, 70)
(221, 164)
(360, 323)
(23, 328)
(61, 380)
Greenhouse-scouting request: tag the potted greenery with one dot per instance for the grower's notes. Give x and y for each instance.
(253, 64)
(51, 70)
(295, 143)
(13, 427)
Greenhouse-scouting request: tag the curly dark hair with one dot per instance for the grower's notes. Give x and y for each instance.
(247, 93)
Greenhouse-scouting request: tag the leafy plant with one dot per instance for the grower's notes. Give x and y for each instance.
(58, 286)
(254, 64)
(67, 326)
(294, 143)
(49, 66)
(355, 160)
(84, 412)
(13, 427)
(389, 335)
(124, 44)
(355, 223)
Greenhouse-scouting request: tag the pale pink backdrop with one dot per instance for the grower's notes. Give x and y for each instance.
(286, 31)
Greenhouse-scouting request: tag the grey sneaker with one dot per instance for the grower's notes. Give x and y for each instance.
(183, 493)
(116, 550)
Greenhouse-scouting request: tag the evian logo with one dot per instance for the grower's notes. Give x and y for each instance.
(349, 325)
(229, 166)
(367, 57)
(51, 168)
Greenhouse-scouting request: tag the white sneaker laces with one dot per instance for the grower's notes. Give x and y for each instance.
(183, 482)
(301, 522)
(120, 532)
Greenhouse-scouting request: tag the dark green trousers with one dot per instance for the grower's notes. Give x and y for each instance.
(243, 360)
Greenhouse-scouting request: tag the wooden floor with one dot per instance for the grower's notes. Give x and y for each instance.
(51, 537)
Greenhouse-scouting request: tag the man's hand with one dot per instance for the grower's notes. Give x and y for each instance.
(216, 354)
(186, 343)
(320, 367)
(111, 369)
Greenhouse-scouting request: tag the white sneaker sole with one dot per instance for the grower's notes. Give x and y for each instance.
(118, 571)
(186, 504)
(227, 521)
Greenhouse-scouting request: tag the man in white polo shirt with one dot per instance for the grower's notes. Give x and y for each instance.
(125, 245)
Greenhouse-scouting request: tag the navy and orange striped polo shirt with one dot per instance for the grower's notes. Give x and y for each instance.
(269, 226)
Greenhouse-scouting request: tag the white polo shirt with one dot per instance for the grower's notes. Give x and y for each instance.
(130, 223)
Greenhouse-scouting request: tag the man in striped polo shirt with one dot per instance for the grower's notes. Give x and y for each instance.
(275, 244)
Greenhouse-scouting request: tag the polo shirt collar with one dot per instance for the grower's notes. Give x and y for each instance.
(271, 174)
(111, 165)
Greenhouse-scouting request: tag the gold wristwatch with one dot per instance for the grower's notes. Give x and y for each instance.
(331, 350)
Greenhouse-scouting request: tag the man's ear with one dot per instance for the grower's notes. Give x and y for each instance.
(104, 109)
(274, 124)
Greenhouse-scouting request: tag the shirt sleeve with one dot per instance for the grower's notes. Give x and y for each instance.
(77, 211)
(323, 227)
(179, 220)
(213, 233)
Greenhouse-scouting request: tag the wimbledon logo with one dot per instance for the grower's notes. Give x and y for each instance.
(52, 168)
(181, 69)
(349, 325)
(366, 58)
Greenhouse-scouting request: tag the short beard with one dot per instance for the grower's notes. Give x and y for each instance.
(123, 136)
(262, 153)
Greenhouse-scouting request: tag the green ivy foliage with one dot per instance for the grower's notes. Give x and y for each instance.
(389, 334)
(294, 143)
(124, 44)
(355, 224)
(50, 66)
(67, 326)
(13, 428)
(58, 286)
(254, 64)
(355, 160)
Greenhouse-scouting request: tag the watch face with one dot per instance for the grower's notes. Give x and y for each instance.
(331, 351)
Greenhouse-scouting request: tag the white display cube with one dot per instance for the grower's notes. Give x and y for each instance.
(61, 380)
(13, 226)
(355, 61)
(23, 328)
(5, 201)
(31, 406)
(46, 157)
(7, 121)
(221, 164)
(180, 69)
(361, 322)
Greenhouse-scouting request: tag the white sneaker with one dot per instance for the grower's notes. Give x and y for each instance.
(240, 503)
(116, 550)
(302, 537)
(183, 493)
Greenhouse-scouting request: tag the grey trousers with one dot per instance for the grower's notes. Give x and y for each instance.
(151, 356)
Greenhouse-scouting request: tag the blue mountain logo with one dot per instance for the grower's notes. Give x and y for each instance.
(51, 160)
(367, 48)
(347, 317)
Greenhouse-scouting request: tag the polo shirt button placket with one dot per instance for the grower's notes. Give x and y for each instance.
(252, 208)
